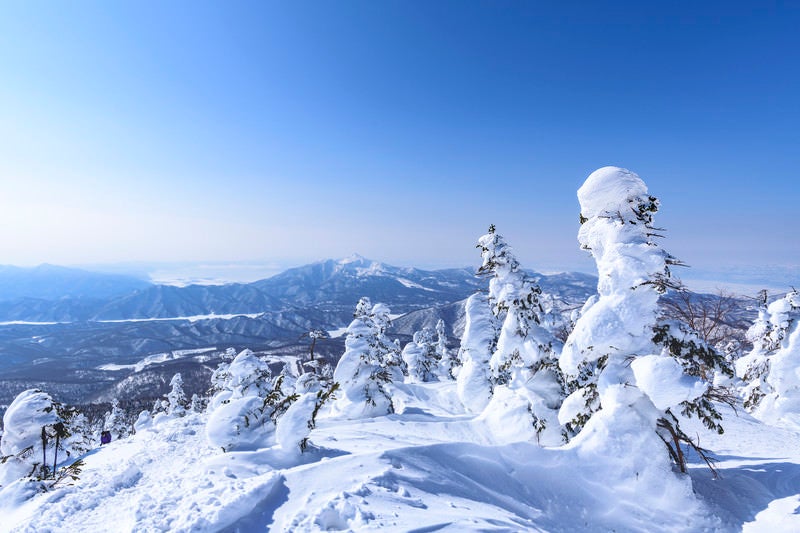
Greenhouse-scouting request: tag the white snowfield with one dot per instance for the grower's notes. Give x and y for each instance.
(191, 318)
(431, 467)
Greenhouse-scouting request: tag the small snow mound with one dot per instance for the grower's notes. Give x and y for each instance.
(341, 514)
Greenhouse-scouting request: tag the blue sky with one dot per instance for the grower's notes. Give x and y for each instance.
(295, 131)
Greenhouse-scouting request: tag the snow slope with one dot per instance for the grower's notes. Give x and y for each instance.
(430, 467)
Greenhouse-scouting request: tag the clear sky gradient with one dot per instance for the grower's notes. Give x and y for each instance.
(296, 131)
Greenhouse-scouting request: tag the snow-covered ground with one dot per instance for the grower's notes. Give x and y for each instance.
(192, 318)
(155, 359)
(430, 467)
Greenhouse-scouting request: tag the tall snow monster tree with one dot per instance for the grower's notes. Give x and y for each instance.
(474, 382)
(633, 376)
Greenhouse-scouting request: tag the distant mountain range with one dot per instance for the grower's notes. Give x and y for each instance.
(58, 294)
(61, 325)
(51, 282)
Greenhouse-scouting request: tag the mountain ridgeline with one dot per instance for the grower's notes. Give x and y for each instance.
(77, 341)
(330, 286)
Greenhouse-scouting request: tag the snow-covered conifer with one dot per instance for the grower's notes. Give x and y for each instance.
(289, 374)
(618, 341)
(176, 396)
(782, 399)
(770, 335)
(514, 298)
(240, 412)
(325, 371)
(474, 383)
(421, 357)
(29, 446)
(369, 364)
(196, 404)
(80, 439)
(115, 422)
(448, 359)
(312, 363)
(246, 375)
(526, 354)
(295, 425)
(158, 406)
(782, 318)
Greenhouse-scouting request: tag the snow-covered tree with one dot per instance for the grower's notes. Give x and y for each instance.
(448, 359)
(313, 363)
(525, 358)
(421, 357)
(770, 335)
(176, 397)
(243, 411)
(289, 374)
(474, 382)
(369, 364)
(782, 399)
(143, 421)
(631, 376)
(116, 422)
(295, 425)
(81, 438)
(196, 404)
(35, 430)
(514, 298)
(159, 406)
(220, 376)
(782, 319)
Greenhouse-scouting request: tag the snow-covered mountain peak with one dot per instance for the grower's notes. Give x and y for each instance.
(354, 258)
(360, 266)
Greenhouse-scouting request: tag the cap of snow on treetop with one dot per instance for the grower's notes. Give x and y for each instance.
(609, 191)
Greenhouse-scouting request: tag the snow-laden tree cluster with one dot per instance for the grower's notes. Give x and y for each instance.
(623, 370)
(250, 409)
(427, 358)
(771, 388)
(247, 403)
